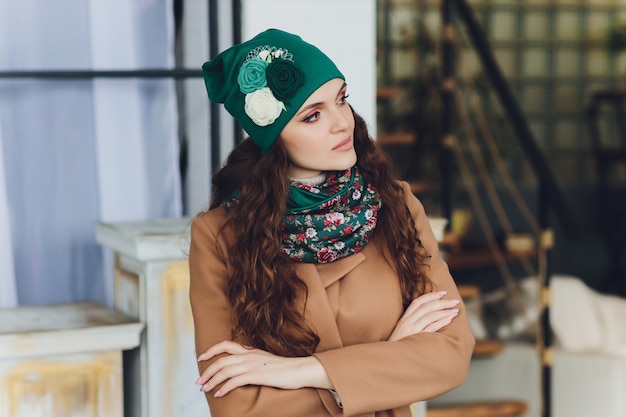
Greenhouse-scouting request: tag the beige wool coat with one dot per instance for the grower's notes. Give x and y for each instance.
(353, 305)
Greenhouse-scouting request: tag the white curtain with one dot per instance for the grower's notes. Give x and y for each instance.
(81, 151)
(8, 294)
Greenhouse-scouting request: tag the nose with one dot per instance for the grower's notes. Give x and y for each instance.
(341, 118)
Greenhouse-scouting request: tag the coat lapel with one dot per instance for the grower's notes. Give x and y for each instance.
(334, 271)
(321, 303)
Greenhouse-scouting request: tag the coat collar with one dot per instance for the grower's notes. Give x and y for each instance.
(334, 271)
(318, 278)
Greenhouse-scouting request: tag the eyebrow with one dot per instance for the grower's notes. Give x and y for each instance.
(312, 105)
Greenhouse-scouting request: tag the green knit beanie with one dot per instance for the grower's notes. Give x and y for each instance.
(264, 81)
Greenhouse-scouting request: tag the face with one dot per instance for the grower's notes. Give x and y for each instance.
(319, 137)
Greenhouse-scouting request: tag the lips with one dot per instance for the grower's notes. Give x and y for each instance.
(344, 145)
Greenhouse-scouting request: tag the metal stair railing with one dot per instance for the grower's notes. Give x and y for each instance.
(550, 196)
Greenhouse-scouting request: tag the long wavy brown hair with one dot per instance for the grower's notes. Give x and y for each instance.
(266, 294)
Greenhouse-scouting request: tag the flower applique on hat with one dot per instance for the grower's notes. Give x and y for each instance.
(265, 80)
(268, 78)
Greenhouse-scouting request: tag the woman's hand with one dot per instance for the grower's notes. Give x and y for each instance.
(247, 366)
(427, 313)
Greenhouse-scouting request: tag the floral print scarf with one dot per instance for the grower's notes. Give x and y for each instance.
(330, 221)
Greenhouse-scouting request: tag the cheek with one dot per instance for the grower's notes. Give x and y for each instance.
(312, 151)
(305, 147)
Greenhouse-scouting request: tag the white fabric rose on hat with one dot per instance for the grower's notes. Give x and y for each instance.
(262, 107)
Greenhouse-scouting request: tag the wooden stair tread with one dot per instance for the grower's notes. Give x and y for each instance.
(486, 348)
(386, 93)
(468, 292)
(474, 258)
(419, 187)
(496, 408)
(452, 241)
(398, 138)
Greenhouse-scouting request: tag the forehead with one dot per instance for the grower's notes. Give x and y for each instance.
(330, 89)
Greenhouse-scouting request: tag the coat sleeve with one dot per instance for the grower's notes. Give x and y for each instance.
(212, 313)
(385, 375)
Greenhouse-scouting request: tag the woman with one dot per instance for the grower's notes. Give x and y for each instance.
(316, 284)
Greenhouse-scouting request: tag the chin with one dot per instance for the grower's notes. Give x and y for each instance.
(349, 161)
(341, 162)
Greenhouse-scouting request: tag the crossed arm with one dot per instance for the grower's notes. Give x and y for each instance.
(241, 365)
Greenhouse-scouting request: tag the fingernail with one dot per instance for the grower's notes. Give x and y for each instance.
(201, 389)
(442, 293)
(218, 394)
(198, 381)
(199, 358)
(456, 311)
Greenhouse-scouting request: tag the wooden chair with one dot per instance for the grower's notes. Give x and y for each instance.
(498, 408)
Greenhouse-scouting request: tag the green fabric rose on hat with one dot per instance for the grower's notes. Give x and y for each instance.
(267, 78)
(284, 79)
(252, 75)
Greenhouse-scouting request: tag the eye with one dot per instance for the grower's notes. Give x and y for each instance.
(343, 99)
(313, 117)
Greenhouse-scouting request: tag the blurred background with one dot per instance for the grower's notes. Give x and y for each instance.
(558, 58)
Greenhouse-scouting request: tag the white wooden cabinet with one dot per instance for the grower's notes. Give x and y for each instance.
(152, 284)
(63, 360)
